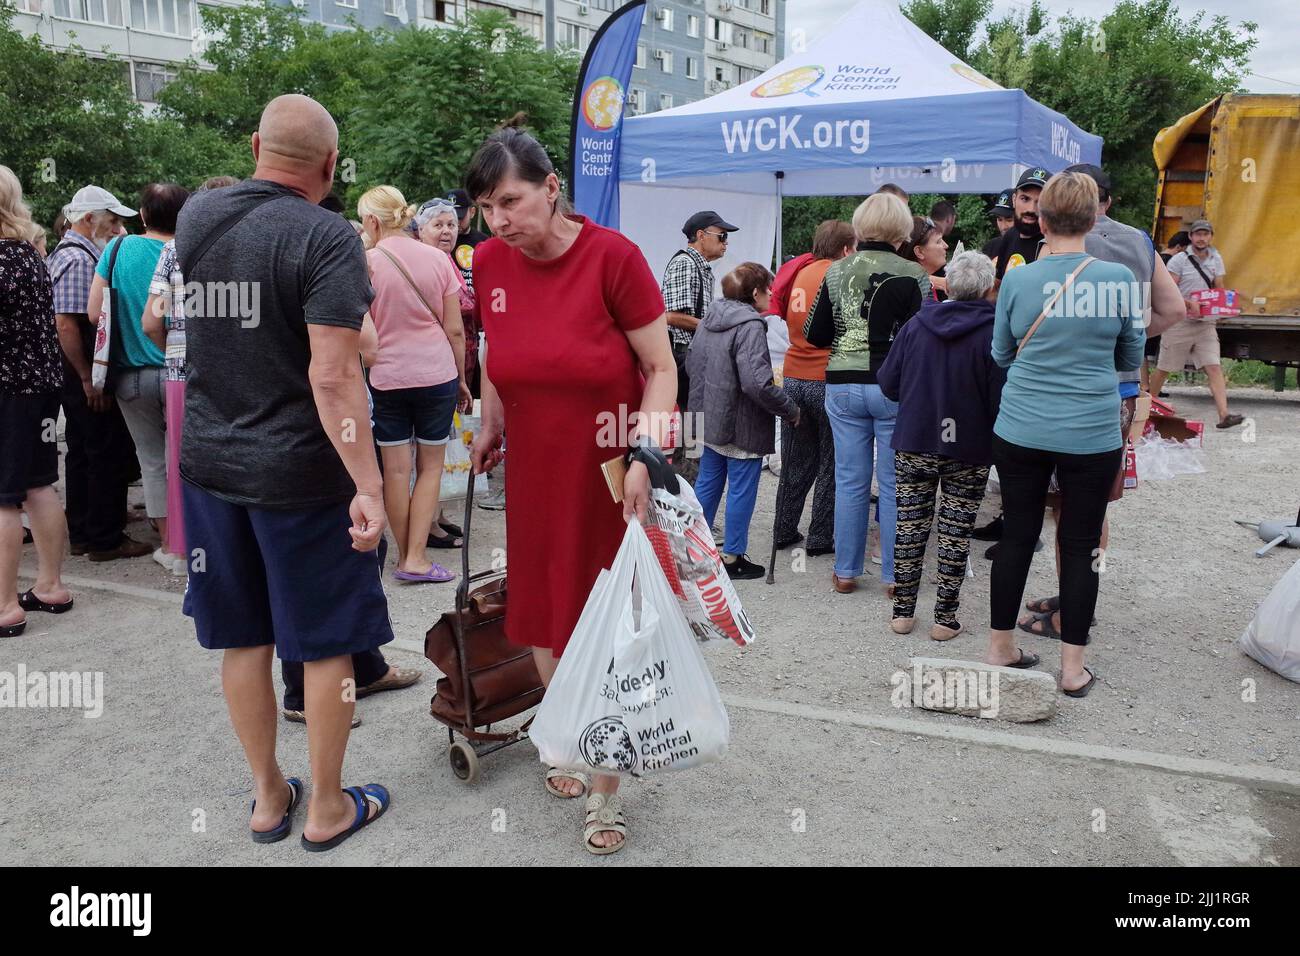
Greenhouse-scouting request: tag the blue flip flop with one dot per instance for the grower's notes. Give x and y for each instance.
(282, 830)
(372, 795)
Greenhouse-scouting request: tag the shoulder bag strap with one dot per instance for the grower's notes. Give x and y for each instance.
(65, 244)
(1051, 302)
(1209, 283)
(699, 277)
(221, 229)
(411, 282)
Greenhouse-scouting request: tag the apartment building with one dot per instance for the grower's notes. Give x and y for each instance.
(151, 37)
(688, 49)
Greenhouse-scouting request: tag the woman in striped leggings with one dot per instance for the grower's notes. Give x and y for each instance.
(941, 372)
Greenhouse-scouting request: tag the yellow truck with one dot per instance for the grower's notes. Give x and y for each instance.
(1236, 162)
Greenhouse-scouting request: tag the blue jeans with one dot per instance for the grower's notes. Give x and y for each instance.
(862, 421)
(740, 475)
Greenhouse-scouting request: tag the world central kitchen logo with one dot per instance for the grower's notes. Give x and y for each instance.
(847, 77)
(602, 108)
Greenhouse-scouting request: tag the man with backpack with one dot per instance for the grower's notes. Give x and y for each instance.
(688, 290)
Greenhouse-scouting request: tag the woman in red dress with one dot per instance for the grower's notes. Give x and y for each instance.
(576, 333)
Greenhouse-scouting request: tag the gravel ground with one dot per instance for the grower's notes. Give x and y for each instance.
(159, 777)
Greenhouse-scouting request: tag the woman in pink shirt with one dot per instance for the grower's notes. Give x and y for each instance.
(418, 376)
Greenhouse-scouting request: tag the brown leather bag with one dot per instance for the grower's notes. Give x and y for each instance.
(494, 679)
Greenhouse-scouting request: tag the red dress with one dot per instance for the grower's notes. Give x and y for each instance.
(558, 356)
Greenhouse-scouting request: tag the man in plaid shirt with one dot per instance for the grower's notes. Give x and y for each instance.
(688, 287)
(100, 452)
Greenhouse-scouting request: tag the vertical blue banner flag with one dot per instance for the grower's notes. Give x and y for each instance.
(597, 126)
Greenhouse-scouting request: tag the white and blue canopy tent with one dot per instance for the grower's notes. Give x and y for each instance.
(874, 101)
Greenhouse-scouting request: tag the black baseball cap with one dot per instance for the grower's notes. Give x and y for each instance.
(703, 220)
(461, 198)
(1033, 176)
(1096, 172)
(1002, 207)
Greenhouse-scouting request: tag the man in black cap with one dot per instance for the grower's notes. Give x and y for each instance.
(688, 286)
(1003, 216)
(1019, 245)
(466, 238)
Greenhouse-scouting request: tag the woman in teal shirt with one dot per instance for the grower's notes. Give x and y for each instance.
(1059, 411)
(137, 376)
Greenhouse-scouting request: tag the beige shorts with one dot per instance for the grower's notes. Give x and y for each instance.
(1190, 340)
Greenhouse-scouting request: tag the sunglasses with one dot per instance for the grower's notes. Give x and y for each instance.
(720, 236)
(435, 204)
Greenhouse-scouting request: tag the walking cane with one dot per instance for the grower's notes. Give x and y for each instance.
(776, 515)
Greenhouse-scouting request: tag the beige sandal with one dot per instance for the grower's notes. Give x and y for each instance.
(604, 815)
(555, 772)
(942, 632)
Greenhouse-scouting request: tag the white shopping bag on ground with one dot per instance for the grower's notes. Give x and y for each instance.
(683, 542)
(1273, 637)
(632, 693)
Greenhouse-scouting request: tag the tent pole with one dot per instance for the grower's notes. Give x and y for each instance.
(780, 182)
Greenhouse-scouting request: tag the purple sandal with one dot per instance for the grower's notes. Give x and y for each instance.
(436, 574)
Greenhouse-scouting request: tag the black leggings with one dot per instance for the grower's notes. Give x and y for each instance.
(1085, 481)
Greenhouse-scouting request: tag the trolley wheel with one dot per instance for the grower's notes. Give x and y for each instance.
(464, 761)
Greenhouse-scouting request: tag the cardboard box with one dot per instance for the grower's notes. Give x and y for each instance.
(1217, 302)
(1198, 431)
(1130, 466)
(1141, 412)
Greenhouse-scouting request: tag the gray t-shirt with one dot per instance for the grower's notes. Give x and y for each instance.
(1187, 276)
(1113, 241)
(252, 433)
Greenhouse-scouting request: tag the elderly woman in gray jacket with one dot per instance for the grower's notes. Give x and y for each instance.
(732, 391)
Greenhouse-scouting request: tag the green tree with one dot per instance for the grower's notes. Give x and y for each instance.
(412, 105)
(259, 52)
(1123, 77)
(69, 120)
(434, 95)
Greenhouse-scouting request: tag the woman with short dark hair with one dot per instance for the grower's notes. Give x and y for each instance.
(137, 370)
(730, 371)
(577, 364)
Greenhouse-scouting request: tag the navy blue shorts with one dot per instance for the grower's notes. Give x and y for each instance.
(290, 578)
(423, 413)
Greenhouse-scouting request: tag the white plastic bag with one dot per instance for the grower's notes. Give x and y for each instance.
(1159, 458)
(632, 693)
(1273, 636)
(683, 542)
(456, 462)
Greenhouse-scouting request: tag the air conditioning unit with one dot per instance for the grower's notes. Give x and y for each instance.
(664, 14)
(725, 5)
(721, 45)
(661, 54)
(583, 9)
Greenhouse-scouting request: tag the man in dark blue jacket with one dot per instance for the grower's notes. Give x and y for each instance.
(940, 370)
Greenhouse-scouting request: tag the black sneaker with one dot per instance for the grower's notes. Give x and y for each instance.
(742, 569)
(990, 532)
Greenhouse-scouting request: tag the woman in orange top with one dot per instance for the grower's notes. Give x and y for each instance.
(808, 453)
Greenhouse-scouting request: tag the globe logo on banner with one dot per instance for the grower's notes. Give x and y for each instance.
(602, 103)
(975, 76)
(798, 80)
